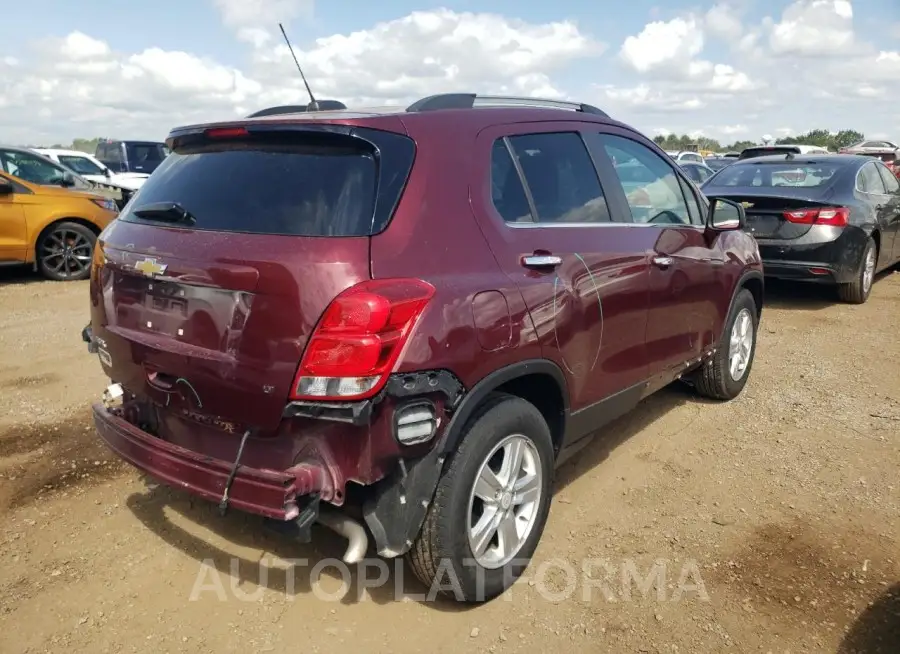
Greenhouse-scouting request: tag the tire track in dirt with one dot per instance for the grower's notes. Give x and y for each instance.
(59, 456)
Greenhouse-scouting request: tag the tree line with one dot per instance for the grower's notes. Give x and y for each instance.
(820, 137)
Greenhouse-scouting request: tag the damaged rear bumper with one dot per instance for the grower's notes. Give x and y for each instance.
(270, 493)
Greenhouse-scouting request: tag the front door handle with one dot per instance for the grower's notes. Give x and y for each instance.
(541, 261)
(663, 262)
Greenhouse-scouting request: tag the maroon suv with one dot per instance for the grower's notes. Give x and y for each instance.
(397, 323)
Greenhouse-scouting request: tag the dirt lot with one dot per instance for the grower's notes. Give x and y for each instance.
(781, 508)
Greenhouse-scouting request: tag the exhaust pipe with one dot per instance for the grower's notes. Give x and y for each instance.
(350, 529)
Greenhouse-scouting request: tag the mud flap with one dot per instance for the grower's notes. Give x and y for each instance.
(396, 512)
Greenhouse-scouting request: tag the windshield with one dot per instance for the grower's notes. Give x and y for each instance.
(775, 174)
(81, 165)
(37, 169)
(145, 157)
(269, 189)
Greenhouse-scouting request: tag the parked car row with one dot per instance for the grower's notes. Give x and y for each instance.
(54, 203)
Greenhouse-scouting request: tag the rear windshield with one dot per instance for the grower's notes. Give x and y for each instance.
(749, 174)
(762, 152)
(297, 190)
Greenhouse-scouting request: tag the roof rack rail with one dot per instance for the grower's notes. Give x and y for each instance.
(323, 105)
(470, 100)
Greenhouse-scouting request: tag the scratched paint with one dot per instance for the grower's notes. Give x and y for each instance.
(556, 283)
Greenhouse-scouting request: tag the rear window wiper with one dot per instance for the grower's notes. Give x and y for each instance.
(167, 211)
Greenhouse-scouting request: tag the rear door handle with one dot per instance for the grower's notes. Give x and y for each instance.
(541, 261)
(663, 262)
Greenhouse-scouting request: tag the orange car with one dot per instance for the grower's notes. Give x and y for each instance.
(50, 226)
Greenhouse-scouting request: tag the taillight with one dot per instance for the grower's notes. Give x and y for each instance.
(834, 216)
(359, 338)
(225, 132)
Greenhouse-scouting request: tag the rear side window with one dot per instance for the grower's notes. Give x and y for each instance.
(868, 180)
(890, 181)
(315, 184)
(507, 192)
(561, 178)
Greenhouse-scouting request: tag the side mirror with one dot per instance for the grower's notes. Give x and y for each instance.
(68, 180)
(725, 215)
(107, 172)
(6, 188)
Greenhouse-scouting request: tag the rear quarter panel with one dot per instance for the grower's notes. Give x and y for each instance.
(434, 236)
(741, 256)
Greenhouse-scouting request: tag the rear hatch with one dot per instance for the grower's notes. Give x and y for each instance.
(783, 199)
(209, 284)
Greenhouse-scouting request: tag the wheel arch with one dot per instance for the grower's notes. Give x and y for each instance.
(753, 281)
(392, 518)
(84, 222)
(539, 381)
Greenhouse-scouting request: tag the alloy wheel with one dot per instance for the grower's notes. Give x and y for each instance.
(66, 253)
(740, 345)
(504, 502)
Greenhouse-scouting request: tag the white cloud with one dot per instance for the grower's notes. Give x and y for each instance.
(256, 13)
(814, 28)
(663, 44)
(668, 52)
(715, 71)
(806, 65)
(93, 90)
(723, 21)
(412, 56)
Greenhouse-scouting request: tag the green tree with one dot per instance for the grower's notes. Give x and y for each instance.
(823, 138)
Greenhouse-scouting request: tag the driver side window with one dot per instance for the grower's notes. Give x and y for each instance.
(652, 188)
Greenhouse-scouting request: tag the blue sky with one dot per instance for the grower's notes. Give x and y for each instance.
(811, 88)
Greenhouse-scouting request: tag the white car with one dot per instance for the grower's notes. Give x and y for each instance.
(685, 155)
(89, 167)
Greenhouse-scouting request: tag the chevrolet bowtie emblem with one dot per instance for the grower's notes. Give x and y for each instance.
(150, 267)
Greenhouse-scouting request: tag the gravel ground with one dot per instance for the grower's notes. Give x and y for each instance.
(772, 520)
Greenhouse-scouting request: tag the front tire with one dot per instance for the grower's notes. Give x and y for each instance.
(64, 252)
(724, 376)
(858, 291)
(491, 504)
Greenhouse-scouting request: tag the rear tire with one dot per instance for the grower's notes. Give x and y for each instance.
(724, 376)
(446, 555)
(858, 291)
(64, 252)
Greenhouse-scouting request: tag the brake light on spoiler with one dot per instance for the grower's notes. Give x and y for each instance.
(225, 132)
(359, 338)
(834, 216)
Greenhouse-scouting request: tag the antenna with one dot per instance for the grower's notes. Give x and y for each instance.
(313, 104)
